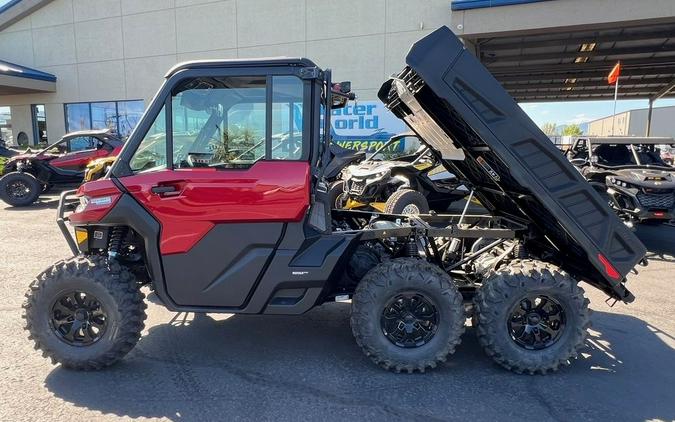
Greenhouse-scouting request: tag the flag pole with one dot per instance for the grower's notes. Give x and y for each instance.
(616, 95)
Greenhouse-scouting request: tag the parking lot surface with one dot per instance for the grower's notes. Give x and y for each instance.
(220, 367)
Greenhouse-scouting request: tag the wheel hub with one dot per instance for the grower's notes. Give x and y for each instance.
(410, 209)
(78, 318)
(410, 319)
(536, 322)
(18, 189)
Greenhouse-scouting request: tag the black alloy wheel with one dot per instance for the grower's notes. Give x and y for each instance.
(536, 322)
(78, 318)
(409, 319)
(18, 189)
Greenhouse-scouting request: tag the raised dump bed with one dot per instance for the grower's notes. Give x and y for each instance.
(453, 102)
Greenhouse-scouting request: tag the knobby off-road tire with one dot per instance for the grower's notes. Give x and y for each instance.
(406, 201)
(505, 292)
(19, 189)
(106, 284)
(336, 189)
(390, 280)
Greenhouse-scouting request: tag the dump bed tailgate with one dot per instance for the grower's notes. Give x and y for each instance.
(452, 101)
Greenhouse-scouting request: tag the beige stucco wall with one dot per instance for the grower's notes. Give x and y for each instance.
(634, 123)
(603, 127)
(102, 50)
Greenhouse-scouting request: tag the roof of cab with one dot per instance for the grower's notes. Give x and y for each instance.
(91, 132)
(628, 140)
(265, 61)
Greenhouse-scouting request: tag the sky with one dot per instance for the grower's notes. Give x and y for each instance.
(579, 112)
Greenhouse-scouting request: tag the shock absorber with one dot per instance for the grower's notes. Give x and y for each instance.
(115, 242)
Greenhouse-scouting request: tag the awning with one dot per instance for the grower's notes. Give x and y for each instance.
(574, 65)
(17, 79)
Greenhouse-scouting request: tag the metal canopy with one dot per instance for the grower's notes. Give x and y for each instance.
(574, 65)
(17, 79)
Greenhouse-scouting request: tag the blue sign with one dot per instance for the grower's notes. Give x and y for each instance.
(364, 125)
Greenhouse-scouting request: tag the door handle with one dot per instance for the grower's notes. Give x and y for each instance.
(164, 189)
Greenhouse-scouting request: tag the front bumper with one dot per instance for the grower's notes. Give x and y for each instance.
(643, 206)
(67, 203)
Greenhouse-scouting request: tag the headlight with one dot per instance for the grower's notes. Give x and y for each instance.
(84, 201)
(621, 183)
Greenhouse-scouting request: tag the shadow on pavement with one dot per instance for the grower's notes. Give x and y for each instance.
(659, 241)
(198, 367)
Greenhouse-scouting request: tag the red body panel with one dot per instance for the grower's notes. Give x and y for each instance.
(268, 191)
(78, 160)
(97, 191)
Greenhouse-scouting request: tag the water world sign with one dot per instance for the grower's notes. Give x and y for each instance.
(364, 125)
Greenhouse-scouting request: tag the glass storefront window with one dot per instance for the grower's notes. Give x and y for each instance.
(119, 116)
(104, 115)
(128, 115)
(77, 117)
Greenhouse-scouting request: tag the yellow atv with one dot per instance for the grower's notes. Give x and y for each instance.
(98, 168)
(403, 176)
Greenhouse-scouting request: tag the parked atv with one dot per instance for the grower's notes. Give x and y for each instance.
(630, 173)
(403, 176)
(259, 237)
(98, 168)
(26, 176)
(5, 151)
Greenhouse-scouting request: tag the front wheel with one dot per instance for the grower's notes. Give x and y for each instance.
(406, 201)
(19, 189)
(85, 312)
(531, 317)
(407, 315)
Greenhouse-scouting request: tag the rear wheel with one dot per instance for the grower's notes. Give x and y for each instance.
(407, 315)
(406, 201)
(85, 313)
(19, 189)
(531, 317)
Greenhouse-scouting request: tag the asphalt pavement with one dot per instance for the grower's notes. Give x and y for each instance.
(190, 367)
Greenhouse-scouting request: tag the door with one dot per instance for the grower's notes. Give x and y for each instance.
(222, 181)
(80, 150)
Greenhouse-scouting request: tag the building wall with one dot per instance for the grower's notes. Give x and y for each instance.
(634, 123)
(102, 50)
(603, 127)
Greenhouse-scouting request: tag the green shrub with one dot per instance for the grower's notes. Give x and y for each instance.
(3, 160)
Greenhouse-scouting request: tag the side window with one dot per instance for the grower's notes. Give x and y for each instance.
(151, 152)
(81, 143)
(58, 148)
(219, 122)
(287, 142)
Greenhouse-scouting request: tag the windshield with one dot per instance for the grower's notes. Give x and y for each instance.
(618, 155)
(397, 148)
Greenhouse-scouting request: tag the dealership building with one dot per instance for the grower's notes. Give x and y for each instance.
(67, 65)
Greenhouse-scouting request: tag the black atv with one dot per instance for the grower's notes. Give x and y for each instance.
(630, 173)
(5, 151)
(403, 176)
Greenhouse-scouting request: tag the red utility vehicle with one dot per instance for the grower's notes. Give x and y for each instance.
(60, 164)
(219, 202)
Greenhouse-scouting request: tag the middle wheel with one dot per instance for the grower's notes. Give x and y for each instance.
(407, 315)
